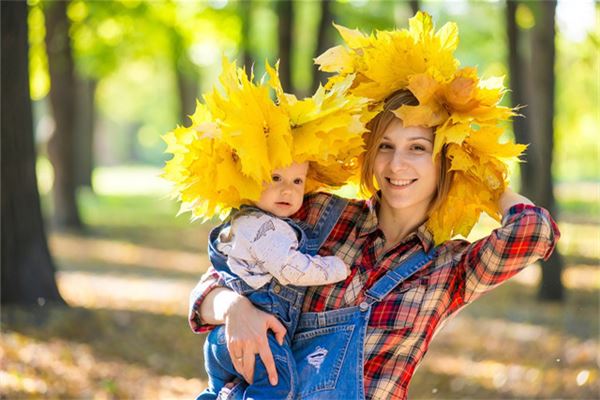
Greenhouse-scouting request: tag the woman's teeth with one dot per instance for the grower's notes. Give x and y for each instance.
(401, 182)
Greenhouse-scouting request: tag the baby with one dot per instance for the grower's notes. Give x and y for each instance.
(261, 255)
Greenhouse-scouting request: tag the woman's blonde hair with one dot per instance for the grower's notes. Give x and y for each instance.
(376, 129)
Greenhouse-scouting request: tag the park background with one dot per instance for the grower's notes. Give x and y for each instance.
(97, 266)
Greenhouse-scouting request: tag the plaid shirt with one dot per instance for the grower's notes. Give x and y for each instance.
(402, 325)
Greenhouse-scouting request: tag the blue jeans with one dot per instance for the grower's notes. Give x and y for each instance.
(221, 371)
(284, 302)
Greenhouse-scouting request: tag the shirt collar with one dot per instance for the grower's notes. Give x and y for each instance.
(371, 223)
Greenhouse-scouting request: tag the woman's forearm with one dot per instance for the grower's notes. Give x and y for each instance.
(216, 304)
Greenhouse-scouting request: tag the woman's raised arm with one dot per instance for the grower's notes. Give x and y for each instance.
(528, 233)
(509, 199)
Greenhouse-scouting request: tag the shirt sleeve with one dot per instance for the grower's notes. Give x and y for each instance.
(265, 247)
(527, 234)
(210, 280)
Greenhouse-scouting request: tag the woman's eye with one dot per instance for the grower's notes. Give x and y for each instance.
(418, 147)
(385, 146)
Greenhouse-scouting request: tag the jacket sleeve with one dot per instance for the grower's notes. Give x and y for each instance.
(528, 233)
(210, 280)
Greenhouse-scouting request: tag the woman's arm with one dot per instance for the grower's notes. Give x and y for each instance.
(509, 199)
(528, 233)
(245, 326)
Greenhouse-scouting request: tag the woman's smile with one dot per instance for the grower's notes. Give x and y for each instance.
(400, 183)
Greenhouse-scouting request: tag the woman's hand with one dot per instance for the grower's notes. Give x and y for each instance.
(509, 199)
(246, 333)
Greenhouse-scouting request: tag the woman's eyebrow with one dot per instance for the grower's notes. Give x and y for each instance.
(420, 137)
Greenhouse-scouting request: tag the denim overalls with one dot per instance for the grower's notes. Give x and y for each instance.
(283, 301)
(329, 346)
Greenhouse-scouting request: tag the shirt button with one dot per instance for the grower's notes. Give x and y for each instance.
(277, 289)
(363, 306)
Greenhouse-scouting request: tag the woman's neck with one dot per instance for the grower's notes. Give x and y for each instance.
(396, 224)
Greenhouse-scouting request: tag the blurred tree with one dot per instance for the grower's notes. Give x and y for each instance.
(245, 10)
(61, 146)
(85, 119)
(27, 268)
(175, 44)
(414, 6)
(531, 62)
(324, 40)
(285, 12)
(187, 75)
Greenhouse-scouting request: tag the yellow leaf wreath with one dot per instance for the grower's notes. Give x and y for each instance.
(463, 109)
(240, 135)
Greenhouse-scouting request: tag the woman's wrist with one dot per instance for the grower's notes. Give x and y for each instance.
(218, 304)
(509, 199)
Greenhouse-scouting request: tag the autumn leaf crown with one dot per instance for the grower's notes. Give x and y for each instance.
(239, 135)
(464, 110)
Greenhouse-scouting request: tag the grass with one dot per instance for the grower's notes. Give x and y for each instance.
(125, 334)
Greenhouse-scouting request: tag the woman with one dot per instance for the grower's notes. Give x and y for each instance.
(373, 236)
(402, 287)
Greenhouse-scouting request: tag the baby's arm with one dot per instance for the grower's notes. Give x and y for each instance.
(266, 247)
(304, 270)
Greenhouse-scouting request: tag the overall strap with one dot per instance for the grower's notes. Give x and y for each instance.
(327, 220)
(380, 289)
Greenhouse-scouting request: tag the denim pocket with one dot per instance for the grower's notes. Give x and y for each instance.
(320, 355)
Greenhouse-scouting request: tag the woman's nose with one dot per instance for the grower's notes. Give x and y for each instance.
(398, 161)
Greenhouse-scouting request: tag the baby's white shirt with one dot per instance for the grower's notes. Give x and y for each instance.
(259, 247)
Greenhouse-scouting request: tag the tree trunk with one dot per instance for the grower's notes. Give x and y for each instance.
(84, 131)
(27, 268)
(543, 81)
(61, 145)
(188, 92)
(187, 79)
(246, 16)
(414, 6)
(323, 41)
(518, 61)
(531, 63)
(285, 29)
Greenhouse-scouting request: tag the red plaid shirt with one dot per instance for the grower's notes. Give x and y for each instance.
(402, 325)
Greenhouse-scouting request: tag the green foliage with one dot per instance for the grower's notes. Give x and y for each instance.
(39, 80)
(577, 121)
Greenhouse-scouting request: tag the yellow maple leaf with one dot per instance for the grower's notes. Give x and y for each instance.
(429, 115)
(486, 141)
(336, 59)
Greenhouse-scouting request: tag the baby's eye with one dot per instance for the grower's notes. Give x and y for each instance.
(298, 181)
(275, 178)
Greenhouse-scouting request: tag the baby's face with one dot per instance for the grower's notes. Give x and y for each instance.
(283, 196)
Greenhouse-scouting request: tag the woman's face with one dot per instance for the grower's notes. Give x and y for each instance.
(404, 168)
